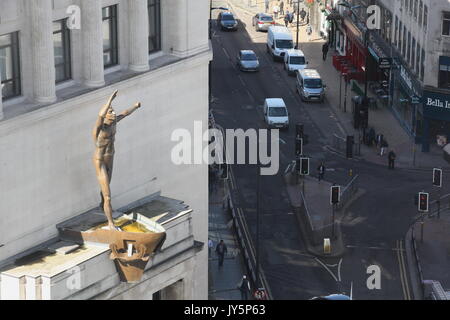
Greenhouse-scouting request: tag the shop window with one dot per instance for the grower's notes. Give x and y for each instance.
(396, 31)
(404, 41)
(408, 53)
(110, 36)
(446, 24)
(444, 72)
(10, 65)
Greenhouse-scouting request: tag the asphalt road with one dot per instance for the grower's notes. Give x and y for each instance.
(373, 226)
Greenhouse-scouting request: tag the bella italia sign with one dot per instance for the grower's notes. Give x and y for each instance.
(436, 105)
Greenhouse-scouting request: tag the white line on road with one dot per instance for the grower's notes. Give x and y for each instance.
(340, 128)
(226, 53)
(282, 141)
(326, 268)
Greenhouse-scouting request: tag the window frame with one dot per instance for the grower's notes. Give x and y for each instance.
(114, 34)
(67, 54)
(447, 72)
(16, 79)
(155, 40)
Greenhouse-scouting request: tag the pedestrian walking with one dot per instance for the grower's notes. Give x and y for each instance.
(287, 18)
(309, 31)
(384, 145)
(221, 250)
(391, 159)
(210, 246)
(371, 137)
(275, 10)
(281, 8)
(378, 141)
(302, 14)
(244, 287)
(321, 170)
(267, 5)
(325, 50)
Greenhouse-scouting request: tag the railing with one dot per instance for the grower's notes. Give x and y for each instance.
(438, 206)
(417, 261)
(348, 192)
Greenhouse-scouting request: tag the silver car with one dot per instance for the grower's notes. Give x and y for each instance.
(247, 61)
(262, 21)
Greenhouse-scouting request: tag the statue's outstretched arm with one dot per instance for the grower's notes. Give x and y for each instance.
(128, 111)
(101, 115)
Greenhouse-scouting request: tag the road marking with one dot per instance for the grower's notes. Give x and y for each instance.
(242, 80)
(282, 141)
(340, 128)
(371, 248)
(326, 268)
(339, 269)
(226, 53)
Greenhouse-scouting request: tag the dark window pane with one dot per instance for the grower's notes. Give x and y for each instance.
(9, 65)
(154, 19)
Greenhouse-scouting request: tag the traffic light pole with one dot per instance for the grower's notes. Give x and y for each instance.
(257, 210)
(332, 220)
(298, 22)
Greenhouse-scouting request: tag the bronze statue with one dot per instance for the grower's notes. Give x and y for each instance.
(104, 133)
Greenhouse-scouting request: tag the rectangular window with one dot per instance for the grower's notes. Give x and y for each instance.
(420, 12)
(444, 72)
(404, 41)
(408, 53)
(399, 45)
(110, 36)
(406, 6)
(413, 53)
(415, 9)
(61, 47)
(425, 17)
(446, 24)
(154, 25)
(10, 65)
(396, 31)
(422, 65)
(411, 7)
(418, 59)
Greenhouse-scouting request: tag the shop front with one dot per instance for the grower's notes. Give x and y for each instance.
(436, 117)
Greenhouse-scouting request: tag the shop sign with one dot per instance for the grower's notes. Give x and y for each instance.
(384, 63)
(436, 105)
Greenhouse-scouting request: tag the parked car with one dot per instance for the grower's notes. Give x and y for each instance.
(226, 21)
(333, 297)
(279, 40)
(310, 86)
(294, 60)
(262, 21)
(247, 61)
(276, 114)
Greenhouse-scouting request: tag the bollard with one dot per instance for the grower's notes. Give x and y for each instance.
(326, 246)
(350, 173)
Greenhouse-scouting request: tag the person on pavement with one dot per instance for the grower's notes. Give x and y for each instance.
(210, 246)
(221, 250)
(325, 50)
(244, 287)
(281, 8)
(321, 170)
(384, 145)
(303, 14)
(309, 31)
(275, 10)
(391, 159)
(287, 18)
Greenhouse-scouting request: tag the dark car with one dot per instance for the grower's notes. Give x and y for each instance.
(247, 61)
(226, 21)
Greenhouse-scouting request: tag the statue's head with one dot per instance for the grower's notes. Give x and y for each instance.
(110, 117)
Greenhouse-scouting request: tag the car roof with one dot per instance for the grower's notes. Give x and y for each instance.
(310, 73)
(275, 102)
(262, 14)
(227, 13)
(247, 52)
(295, 53)
(280, 29)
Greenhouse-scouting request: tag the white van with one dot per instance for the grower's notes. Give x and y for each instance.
(310, 86)
(276, 114)
(294, 60)
(279, 40)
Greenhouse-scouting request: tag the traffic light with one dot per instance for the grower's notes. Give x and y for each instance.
(335, 194)
(298, 147)
(423, 201)
(304, 166)
(437, 177)
(299, 131)
(349, 150)
(224, 170)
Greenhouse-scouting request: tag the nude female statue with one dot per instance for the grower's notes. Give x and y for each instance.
(104, 133)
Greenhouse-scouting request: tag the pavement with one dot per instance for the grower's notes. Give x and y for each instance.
(223, 281)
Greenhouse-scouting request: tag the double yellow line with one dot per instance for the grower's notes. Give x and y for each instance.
(402, 266)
